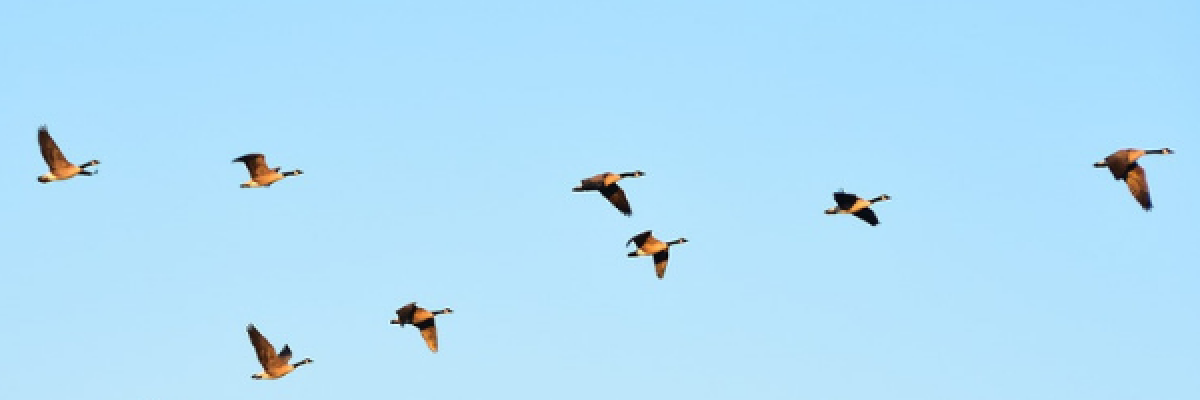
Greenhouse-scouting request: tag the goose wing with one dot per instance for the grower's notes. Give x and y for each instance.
(660, 263)
(639, 239)
(1136, 180)
(593, 183)
(285, 355)
(264, 349)
(50, 152)
(423, 320)
(404, 315)
(845, 200)
(616, 196)
(866, 214)
(256, 163)
(1122, 161)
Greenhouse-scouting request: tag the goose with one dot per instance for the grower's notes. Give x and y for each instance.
(260, 174)
(848, 203)
(60, 168)
(275, 366)
(606, 184)
(1123, 165)
(647, 245)
(423, 320)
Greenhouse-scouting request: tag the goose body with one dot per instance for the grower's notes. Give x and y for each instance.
(606, 184)
(260, 174)
(423, 319)
(1124, 166)
(848, 203)
(274, 365)
(648, 245)
(60, 168)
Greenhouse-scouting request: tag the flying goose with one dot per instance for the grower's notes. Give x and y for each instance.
(848, 203)
(423, 320)
(606, 183)
(1123, 165)
(260, 174)
(60, 168)
(648, 245)
(275, 366)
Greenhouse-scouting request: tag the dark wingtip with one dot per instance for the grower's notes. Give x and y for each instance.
(246, 157)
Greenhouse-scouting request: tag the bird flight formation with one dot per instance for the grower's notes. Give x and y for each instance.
(1123, 164)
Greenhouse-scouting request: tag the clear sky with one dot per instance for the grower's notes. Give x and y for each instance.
(440, 141)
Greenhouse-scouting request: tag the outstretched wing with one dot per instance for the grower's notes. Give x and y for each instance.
(639, 240)
(616, 196)
(256, 163)
(866, 214)
(660, 263)
(1136, 180)
(263, 348)
(844, 200)
(423, 320)
(50, 152)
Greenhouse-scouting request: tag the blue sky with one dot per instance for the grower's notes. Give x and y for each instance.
(440, 141)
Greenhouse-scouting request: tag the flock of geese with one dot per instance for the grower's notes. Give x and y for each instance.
(1123, 164)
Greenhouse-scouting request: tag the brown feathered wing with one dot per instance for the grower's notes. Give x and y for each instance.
(255, 163)
(660, 263)
(50, 152)
(423, 320)
(1136, 180)
(265, 351)
(616, 196)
